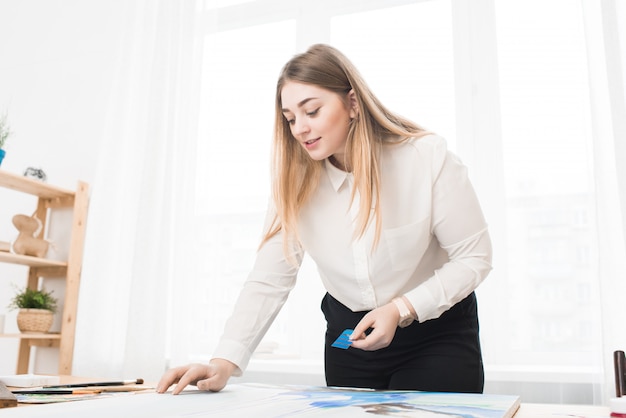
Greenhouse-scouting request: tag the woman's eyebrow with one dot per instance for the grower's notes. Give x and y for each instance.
(301, 103)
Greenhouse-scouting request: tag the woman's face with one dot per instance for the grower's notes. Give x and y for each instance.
(319, 119)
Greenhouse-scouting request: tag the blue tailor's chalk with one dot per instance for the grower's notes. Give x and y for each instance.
(343, 341)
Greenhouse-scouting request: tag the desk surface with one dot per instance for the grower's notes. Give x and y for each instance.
(528, 410)
(134, 406)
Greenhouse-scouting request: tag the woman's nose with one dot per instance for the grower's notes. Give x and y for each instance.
(300, 127)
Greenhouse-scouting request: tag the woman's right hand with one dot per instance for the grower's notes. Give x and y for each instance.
(209, 377)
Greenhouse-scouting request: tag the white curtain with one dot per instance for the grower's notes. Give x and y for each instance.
(606, 43)
(131, 240)
(147, 246)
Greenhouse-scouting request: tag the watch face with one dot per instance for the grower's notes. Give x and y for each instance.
(406, 322)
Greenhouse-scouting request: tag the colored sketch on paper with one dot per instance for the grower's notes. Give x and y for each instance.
(296, 401)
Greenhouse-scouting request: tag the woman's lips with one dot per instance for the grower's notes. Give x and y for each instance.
(311, 143)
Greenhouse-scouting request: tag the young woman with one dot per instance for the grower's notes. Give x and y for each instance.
(389, 216)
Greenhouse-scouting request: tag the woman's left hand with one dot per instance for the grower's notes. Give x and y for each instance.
(383, 321)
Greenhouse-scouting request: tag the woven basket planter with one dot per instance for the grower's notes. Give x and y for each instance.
(34, 320)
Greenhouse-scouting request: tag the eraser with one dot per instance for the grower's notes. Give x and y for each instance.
(343, 341)
(29, 380)
(618, 406)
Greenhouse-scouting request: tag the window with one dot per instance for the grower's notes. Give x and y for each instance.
(232, 186)
(545, 108)
(412, 68)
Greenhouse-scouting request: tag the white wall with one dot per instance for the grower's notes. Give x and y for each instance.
(57, 64)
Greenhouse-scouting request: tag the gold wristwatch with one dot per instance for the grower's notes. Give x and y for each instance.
(406, 317)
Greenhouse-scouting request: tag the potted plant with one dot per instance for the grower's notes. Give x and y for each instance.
(36, 309)
(5, 132)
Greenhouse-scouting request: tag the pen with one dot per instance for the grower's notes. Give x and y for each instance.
(56, 392)
(113, 383)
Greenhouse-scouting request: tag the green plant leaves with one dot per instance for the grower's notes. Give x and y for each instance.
(33, 299)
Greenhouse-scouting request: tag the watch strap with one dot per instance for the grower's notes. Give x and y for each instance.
(406, 317)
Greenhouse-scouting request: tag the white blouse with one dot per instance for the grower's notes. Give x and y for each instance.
(434, 246)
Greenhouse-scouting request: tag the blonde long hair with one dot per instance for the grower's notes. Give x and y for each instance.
(295, 175)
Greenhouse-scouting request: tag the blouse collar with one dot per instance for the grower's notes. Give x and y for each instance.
(337, 177)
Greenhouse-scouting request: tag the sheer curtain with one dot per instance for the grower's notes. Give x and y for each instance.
(606, 43)
(535, 110)
(132, 239)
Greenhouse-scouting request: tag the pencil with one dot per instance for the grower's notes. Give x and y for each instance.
(112, 383)
(57, 392)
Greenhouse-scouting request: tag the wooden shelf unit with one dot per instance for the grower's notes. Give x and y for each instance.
(51, 197)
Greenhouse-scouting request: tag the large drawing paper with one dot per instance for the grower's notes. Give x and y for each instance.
(253, 400)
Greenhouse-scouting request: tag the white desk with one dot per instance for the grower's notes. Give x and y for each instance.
(529, 410)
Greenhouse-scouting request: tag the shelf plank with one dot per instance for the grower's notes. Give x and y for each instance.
(33, 336)
(33, 187)
(26, 260)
